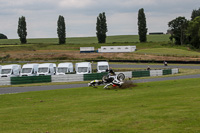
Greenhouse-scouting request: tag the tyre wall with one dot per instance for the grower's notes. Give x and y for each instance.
(151, 73)
(5, 81)
(30, 79)
(82, 77)
(67, 78)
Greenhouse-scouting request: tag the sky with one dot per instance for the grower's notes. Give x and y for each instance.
(81, 16)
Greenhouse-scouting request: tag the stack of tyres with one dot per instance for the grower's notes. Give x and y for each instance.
(136, 74)
(41, 79)
(140, 73)
(100, 75)
(167, 71)
(93, 76)
(145, 73)
(20, 80)
(30, 79)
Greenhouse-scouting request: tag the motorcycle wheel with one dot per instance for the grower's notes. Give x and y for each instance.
(105, 79)
(121, 77)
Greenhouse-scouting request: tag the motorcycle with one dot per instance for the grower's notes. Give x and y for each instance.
(109, 78)
(114, 80)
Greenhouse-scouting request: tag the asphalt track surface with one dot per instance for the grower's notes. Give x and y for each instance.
(153, 66)
(11, 90)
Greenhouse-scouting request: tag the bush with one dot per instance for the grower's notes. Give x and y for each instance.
(2, 36)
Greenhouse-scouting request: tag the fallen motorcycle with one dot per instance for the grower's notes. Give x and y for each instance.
(109, 78)
(114, 80)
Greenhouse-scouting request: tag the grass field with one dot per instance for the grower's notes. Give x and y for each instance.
(77, 42)
(168, 106)
(89, 40)
(169, 52)
(158, 47)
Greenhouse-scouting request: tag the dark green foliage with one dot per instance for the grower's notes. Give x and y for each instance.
(101, 28)
(142, 27)
(61, 30)
(2, 36)
(194, 32)
(22, 30)
(195, 13)
(178, 27)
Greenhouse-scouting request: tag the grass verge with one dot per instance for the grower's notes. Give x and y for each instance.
(167, 106)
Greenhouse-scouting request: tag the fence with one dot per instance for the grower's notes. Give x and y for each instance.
(82, 77)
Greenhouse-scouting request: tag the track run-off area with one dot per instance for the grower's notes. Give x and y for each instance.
(11, 90)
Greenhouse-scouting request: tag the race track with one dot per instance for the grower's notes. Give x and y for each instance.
(9, 90)
(153, 66)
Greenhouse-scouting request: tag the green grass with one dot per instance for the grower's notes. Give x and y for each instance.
(169, 52)
(158, 45)
(168, 106)
(154, 41)
(89, 40)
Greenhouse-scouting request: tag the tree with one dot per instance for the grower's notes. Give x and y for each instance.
(61, 30)
(2, 36)
(22, 33)
(178, 27)
(194, 32)
(101, 28)
(142, 27)
(195, 13)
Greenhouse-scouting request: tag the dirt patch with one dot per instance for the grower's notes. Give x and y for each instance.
(127, 85)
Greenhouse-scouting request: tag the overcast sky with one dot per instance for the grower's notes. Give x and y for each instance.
(80, 16)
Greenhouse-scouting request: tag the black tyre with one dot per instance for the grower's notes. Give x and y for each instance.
(105, 79)
(121, 77)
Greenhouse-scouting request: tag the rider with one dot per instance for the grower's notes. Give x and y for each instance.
(110, 71)
(110, 74)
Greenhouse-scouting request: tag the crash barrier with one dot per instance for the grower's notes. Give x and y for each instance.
(82, 77)
(5, 81)
(141, 73)
(147, 73)
(93, 76)
(127, 74)
(67, 78)
(30, 79)
(98, 76)
(77, 77)
(156, 73)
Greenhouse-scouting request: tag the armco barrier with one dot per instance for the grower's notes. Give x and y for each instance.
(30, 79)
(67, 78)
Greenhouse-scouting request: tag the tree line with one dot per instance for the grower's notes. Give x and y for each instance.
(185, 31)
(101, 28)
(182, 31)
